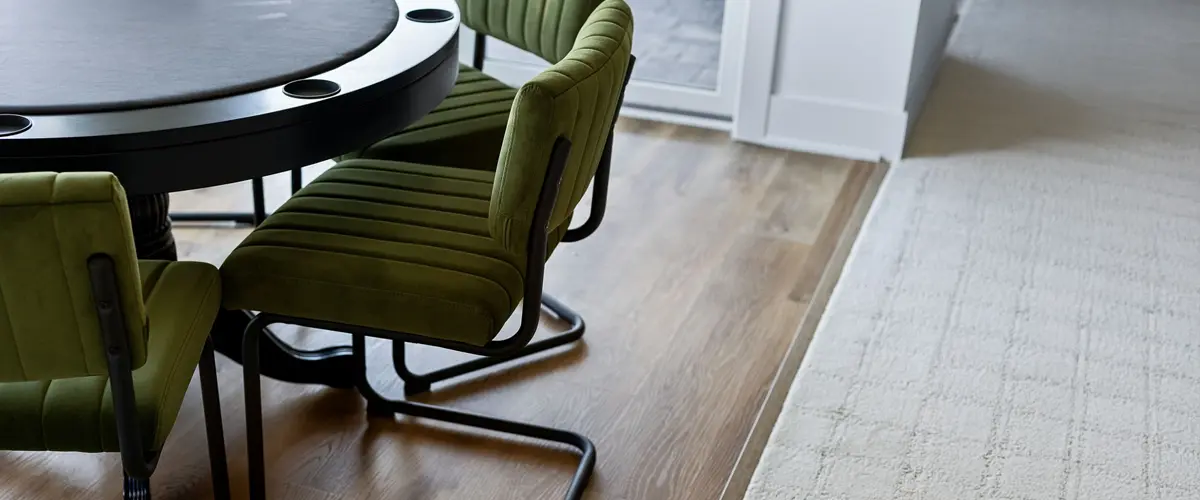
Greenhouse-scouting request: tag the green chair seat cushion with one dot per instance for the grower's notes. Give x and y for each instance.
(76, 414)
(395, 246)
(465, 131)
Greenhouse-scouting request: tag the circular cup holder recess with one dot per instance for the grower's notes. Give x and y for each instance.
(311, 89)
(429, 15)
(13, 124)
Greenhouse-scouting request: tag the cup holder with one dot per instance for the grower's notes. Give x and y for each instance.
(429, 15)
(14, 124)
(311, 89)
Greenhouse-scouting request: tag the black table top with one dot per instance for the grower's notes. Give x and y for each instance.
(64, 56)
(345, 100)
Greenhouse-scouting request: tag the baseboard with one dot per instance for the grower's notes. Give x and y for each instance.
(832, 127)
(820, 148)
(772, 407)
(632, 111)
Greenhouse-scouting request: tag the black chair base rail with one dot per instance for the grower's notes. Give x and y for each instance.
(420, 383)
(242, 218)
(237, 218)
(496, 351)
(379, 406)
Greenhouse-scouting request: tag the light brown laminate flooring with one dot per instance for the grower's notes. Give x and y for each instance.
(692, 289)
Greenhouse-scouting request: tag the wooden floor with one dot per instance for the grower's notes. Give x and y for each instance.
(692, 290)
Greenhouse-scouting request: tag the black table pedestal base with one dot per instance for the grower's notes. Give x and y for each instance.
(152, 227)
(332, 366)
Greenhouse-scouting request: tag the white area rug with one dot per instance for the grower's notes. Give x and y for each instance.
(1020, 317)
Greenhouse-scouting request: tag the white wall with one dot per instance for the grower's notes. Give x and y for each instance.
(848, 50)
(845, 77)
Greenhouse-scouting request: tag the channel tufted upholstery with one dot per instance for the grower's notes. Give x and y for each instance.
(467, 129)
(434, 250)
(49, 225)
(576, 99)
(76, 414)
(56, 394)
(398, 246)
(546, 28)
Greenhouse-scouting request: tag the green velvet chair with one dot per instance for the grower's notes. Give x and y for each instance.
(439, 255)
(96, 348)
(467, 129)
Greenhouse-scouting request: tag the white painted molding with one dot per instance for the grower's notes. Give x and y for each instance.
(819, 148)
(734, 30)
(825, 126)
(758, 70)
(640, 113)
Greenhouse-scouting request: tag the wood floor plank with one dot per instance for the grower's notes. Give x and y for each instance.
(726, 346)
(795, 205)
(692, 290)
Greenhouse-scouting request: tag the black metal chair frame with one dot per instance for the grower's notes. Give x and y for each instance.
(497, 350)
(419, 383)
(494, 352)
(139, 465)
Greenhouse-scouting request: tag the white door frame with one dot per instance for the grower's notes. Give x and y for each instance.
(717, 103)
(757, 76)
(714, 108)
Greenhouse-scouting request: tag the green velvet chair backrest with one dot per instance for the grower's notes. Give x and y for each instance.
(575, 98)
(546, 28)
(50, 224)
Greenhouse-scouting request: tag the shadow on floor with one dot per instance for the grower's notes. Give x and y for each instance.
(973, 107)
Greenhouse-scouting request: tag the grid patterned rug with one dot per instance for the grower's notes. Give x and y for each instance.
(1020, 317)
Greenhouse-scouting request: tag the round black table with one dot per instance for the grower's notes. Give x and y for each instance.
(184, 94)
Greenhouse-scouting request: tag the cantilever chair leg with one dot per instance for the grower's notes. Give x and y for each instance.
(214, 429)
(136, 488)
(415, 383)
(377, 405)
